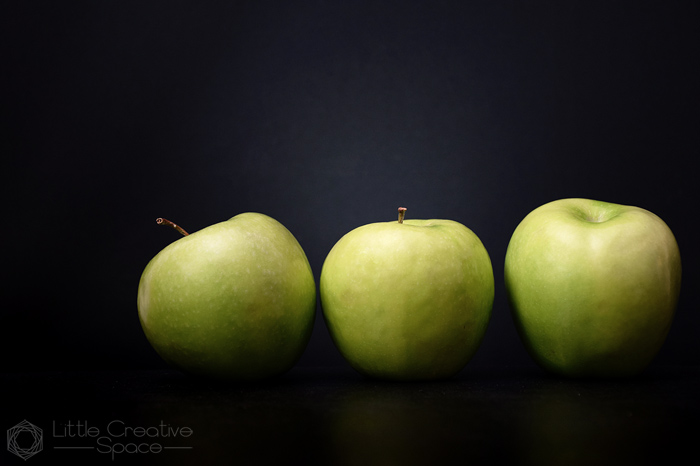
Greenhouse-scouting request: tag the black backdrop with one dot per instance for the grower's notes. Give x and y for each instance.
(325, 116)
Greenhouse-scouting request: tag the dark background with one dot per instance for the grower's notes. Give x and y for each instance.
(325, 116)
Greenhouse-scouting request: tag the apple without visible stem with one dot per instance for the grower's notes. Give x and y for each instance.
(593, 286)
(408, 300)
(235, 300)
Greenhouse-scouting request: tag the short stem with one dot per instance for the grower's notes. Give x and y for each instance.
(402, 213)
(168, 223)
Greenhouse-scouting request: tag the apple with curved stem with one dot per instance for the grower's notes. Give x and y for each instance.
(235, 300)
(593, 286)
(408, 300)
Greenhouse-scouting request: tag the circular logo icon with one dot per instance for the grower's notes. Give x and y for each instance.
(25, 439)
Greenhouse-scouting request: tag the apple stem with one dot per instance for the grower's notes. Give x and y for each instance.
(168, 223)
(402, 213)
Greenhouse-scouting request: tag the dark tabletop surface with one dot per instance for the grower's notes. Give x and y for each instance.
(335, 416)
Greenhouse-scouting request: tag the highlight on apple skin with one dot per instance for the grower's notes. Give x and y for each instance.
(235, 300)
(592, 286)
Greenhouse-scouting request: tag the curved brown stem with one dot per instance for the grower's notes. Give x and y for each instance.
(168, 223)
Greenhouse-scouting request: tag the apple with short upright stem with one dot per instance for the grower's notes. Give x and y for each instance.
(235, 300)
(408, 300)
(593, 286)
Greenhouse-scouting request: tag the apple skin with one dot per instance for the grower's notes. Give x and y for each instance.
(593, 286)
(407, 301)
(235, 300)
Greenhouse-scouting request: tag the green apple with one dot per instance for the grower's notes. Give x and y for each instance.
(407, 300)
(235, 300)
(593, 286)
